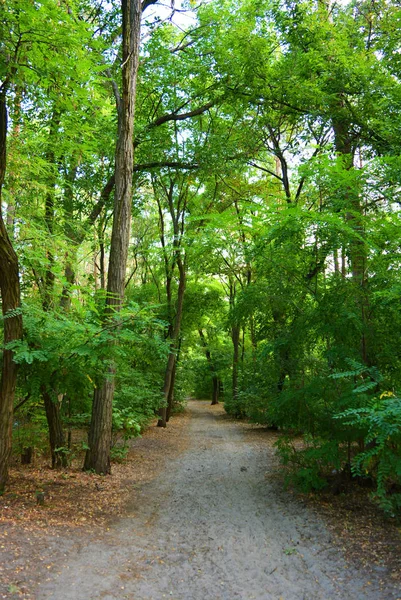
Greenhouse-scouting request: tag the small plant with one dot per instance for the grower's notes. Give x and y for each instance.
(126, 422)
(381, 458)
(119, 453)
(310, 465)
(68, 453)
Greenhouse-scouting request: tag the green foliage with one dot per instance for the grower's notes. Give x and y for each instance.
(30, 431)
(270, 134)
(127, 424)
(381, 459)
(309, 465)
(66, 353)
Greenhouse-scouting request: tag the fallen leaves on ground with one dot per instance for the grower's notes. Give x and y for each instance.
(369, 539)
(74, 501)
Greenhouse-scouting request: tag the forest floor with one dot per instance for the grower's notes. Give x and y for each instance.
(198, 512)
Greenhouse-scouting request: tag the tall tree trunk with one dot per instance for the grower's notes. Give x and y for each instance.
(357, 247)
(16, 129)
(216, 390)
(98, 454)
(56, 433)
(235, 336)
(52, 408)
(10, 304)
(102, 269)
(70, 255)
(75, 239)
(49, 278)
(215, 379)
(170, 399)
(168, 376)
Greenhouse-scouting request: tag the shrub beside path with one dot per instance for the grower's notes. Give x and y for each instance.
(212, 522)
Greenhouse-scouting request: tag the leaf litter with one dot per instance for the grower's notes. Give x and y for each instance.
(34, 537)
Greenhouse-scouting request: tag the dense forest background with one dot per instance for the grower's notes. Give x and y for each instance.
(203, 200)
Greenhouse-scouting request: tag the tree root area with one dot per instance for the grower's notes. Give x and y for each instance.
(202, 516)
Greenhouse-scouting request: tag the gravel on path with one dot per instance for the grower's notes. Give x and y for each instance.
(215, 526)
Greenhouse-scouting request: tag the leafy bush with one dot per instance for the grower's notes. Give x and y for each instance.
(66, 354)
(29, 433)
(381, 458)
(310, 466)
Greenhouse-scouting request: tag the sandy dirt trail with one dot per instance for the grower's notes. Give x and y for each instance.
(215, 527)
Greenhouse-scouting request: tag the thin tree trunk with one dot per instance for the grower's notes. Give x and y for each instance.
(70, 255)
(170, 399)
(336, 263)
(56, 433)
(357, 248)
(216, 390)
(253, 338)
(49, 213)
(168, 376)
(215, 379)
(98, 454)
(16, 119)
(75, 238)
(27, 455)
(343, 263)
(10, 304)
(102, 267)
(52, 409)
(235, 335)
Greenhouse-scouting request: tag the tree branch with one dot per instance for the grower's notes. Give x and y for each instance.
(171, 164)
(147, 3)
(252, 164)
(116, 91)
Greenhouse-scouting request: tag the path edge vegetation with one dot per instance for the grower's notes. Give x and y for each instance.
(257, 150)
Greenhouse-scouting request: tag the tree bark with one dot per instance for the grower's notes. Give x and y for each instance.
(235, 335)
(215, 379)
(357, 248)
(56, 433)
(15, 134)
(11, 302)
(168, 376)
(76, 238)
(52, 409)
(170, 399)
(49, 277)
(98, 454)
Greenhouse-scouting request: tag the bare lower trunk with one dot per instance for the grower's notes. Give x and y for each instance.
(69, 274)
(98, 455)
(56, 433)
(10, 300)
(99, 439)
(168, 386)
(162, 422)
(26, 455)
(170, 399)
(216, 390)
(215, 379)
(235, 335)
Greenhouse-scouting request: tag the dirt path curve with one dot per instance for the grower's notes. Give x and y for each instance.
(215, 528)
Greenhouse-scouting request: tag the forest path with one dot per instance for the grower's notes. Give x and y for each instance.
(214, 527)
